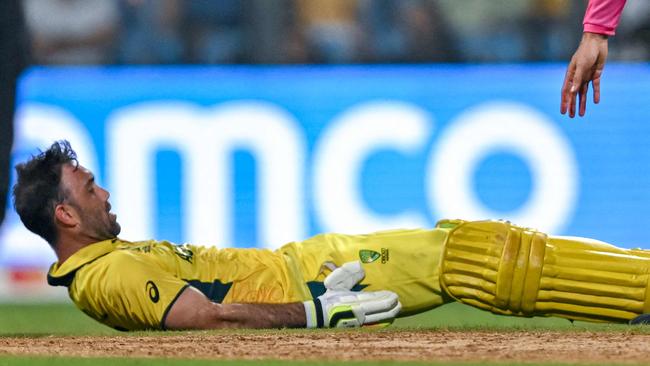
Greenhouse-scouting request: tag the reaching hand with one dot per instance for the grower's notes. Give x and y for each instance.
(340, 307)
(347, 309)
(586, 66)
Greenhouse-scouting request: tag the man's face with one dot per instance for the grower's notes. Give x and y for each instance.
(90, 202)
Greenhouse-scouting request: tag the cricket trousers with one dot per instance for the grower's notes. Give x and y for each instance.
(491, 265)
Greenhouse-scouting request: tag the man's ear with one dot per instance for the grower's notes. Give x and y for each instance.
(65, 215)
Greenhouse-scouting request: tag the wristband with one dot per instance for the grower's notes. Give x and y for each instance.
(310, 314)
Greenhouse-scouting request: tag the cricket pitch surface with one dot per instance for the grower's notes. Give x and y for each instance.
(351, 345)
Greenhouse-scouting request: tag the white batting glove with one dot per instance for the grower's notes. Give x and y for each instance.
(345, 277)
(340, 307)
(347, 309)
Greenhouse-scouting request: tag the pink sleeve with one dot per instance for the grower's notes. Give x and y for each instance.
(602, 16)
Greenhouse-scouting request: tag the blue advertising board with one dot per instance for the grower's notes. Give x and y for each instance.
(260, 156)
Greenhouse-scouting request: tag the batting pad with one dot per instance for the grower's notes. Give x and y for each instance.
(511, 270)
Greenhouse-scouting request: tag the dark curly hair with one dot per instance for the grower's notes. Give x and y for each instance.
(37, 190)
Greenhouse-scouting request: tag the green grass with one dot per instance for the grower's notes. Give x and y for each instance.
(48, 319)
(456, 316)
(65, 319)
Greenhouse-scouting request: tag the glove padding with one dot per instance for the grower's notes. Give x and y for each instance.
(340, 307)
(345, 277)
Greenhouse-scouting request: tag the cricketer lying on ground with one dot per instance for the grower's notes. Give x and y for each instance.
(492, 265)
(329, 280)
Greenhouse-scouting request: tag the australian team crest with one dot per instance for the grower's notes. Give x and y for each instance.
(368, 256)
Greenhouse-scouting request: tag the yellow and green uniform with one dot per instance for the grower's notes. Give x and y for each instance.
(492, 265)
(132, 285)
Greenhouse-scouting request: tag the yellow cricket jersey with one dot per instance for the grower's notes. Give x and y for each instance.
(133, 285)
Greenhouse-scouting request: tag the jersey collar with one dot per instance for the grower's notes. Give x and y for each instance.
(63, 274)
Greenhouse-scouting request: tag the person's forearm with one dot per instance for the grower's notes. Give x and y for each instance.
(260, 316)
(193, 310)
(335, 308)
(602, 16)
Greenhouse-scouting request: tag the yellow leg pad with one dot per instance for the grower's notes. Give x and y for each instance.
(511, 270)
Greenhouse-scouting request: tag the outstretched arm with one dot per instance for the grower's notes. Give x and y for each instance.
(337, 307)
(588, 62)
(192, 310)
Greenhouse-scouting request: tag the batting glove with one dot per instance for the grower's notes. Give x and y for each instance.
(347, 309)
(340, 307)
(345, 277)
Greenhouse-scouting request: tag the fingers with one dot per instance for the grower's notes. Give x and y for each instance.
(379, 307)
(586, 66)
(367, 307)
(596, 84)
(575, 85)
(345, 277)
(377, 302)
(384, 316)
(566, 87)
(583, 99)
(572, 81)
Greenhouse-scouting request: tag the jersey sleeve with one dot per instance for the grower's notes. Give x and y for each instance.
(126, 293)
(602, 16)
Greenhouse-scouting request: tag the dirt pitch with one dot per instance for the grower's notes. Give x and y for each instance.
(424, 345)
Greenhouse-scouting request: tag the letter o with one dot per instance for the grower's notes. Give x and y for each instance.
(516, 128)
